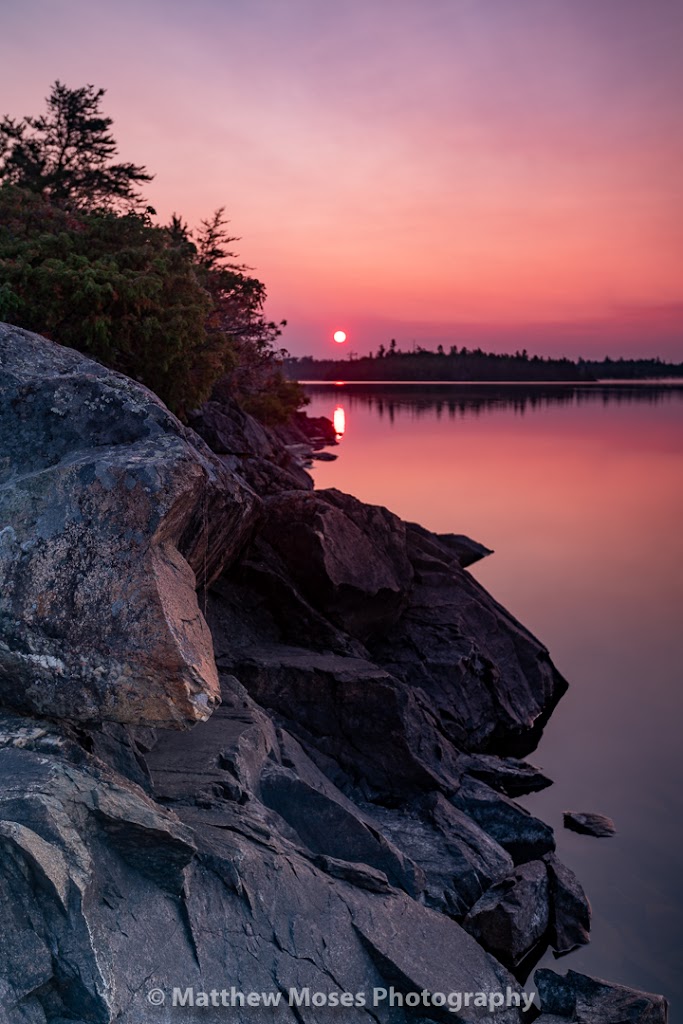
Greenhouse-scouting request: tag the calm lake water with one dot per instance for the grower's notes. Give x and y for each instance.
(579, 490)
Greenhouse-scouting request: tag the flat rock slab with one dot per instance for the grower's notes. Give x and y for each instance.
(511, 825)
(589, 824)
(418, 950)
(506, 774)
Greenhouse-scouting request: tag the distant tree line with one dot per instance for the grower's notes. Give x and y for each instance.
(465, 364)
(82, 262)
(633, 369)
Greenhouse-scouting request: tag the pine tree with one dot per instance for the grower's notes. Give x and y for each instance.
(67, 154)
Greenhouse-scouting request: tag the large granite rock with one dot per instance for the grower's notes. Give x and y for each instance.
(210, 894)
(491, 682)
(347, 558)
(344, 809)
(109, 510)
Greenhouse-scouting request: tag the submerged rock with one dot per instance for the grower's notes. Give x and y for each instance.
(589, 824)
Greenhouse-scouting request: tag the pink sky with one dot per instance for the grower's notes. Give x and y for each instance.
(508, 173)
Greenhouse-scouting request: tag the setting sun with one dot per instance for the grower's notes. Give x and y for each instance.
(339, 337)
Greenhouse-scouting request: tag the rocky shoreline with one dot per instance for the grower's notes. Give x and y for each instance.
(255, 735)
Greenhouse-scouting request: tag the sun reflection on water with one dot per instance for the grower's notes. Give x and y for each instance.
(339, 420)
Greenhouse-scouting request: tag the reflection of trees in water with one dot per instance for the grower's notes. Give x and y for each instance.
(455, 400)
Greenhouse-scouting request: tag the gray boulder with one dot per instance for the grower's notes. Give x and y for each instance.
(347, 558)
(105, 504)
(576, 997)
(419, 951)
(570, 915)
(512, 916)
(249, 448)
(77, 845)
(506, 774)
(349, 711)
(240, 757)
(491, 683)
(329, 825)
(511, 825)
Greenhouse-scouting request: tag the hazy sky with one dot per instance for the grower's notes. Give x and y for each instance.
(503, 172)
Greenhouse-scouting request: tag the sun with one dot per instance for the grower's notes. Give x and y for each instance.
(339, 337)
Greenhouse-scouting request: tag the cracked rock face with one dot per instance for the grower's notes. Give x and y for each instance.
(343, 821)
(105, 500)
(217, 890)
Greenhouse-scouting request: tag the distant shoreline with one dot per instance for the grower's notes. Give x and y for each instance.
(473, 366)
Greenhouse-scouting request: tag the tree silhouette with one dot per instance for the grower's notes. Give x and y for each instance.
(67, 154)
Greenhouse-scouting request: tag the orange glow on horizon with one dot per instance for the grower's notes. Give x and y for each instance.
(503, 180)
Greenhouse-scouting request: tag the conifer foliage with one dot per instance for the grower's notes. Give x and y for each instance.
(68, 153)
(82, 262)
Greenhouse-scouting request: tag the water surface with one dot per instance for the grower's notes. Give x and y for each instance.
(579, 490)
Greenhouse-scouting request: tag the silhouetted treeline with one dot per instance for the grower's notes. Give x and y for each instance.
(633, 369)
(472, 365)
